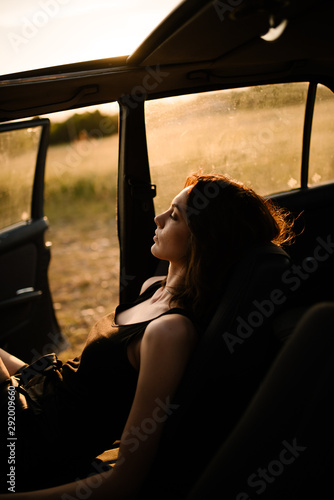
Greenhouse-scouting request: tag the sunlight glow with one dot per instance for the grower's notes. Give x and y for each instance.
(42, 33)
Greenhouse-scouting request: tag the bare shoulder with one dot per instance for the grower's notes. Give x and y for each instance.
(150, 282)
(165, 350)
(172, 329)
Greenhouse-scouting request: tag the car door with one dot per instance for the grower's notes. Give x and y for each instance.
(29, 327)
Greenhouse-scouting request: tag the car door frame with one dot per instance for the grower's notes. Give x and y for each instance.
(32, 327)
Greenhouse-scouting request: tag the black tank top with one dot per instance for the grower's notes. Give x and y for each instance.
(95, 396)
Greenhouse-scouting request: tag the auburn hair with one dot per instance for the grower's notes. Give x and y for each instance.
(226, 219)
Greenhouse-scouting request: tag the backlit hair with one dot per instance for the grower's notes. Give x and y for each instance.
(226, 219)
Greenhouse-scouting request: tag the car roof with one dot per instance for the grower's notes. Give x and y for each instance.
(202, 44)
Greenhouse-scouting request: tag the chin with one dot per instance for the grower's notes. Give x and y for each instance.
(154, 250)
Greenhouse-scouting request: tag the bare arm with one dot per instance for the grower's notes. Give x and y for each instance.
(4, 373)
(164, 353)
(12, 363)
(165, 350)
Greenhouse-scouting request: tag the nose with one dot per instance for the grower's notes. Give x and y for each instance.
(159, 220)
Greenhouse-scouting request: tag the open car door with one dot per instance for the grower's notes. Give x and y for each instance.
(28, 324)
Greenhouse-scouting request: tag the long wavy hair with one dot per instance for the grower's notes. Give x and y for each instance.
(226, 219)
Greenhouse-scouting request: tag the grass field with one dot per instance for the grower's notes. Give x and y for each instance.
(80, 202)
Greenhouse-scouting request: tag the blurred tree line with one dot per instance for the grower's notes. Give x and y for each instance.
(83, 126)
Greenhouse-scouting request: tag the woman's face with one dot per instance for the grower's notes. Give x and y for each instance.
(171, 238)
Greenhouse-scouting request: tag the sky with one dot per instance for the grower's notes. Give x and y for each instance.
(41, 33)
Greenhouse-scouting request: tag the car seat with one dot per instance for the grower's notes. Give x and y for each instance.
(231, 359)
(283, 446)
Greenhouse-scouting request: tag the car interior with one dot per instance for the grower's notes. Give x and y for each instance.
(214, 62)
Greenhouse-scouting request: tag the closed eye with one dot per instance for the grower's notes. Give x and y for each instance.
(174, 208)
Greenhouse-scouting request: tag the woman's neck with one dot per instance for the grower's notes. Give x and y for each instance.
(175, 278)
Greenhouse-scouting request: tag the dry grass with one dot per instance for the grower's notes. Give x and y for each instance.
(83, 276)
(80, 203)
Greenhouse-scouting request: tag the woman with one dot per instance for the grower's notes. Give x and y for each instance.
(137, 356)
